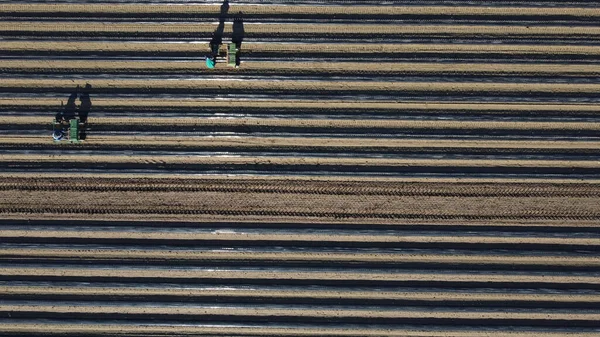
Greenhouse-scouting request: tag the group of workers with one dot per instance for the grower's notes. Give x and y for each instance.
(72, 112)
(233, 55)
(73, 116)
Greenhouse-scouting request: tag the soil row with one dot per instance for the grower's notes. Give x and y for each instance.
(129, 330)
(300, 48)
(224, 238)
(298, 143)
(304, 68)
(99, 256)
(294, 218)
(272, 160)
(301, 186)
(180, 205)
(301, 178)
(281, 276)
(137, 103)
(291, 29)
(307, 87)
(363, 124)
(273, 314)
(433, 297)
(274, 10)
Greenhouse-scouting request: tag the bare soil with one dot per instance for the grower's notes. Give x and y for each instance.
(149, 103)
(320, 68)
(312, 206)
(294, 10)
(271, 143)
(202, 85)
(279, 29)
(50, 329)
(300, 48)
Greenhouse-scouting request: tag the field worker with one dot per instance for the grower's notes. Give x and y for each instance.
(215, 43)
(67, 112)
(217, 37)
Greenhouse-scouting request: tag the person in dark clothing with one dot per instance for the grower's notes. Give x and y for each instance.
(217, 38)
(238, 30)
(86, 104)
(238, 36)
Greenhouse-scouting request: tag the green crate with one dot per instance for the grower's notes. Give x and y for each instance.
(231, 54)
(74, 130)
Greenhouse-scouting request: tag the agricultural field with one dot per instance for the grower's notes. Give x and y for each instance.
(372, 168)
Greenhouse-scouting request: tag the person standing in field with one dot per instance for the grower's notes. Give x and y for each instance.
(217, 38)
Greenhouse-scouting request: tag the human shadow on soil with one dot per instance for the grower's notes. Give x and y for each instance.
(70, 110)
(217, 37)
(86, 103)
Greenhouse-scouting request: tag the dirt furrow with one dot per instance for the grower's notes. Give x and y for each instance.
(265, 206)
(268, 218)
(296, 186)
(466, 192)
(312, 178)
